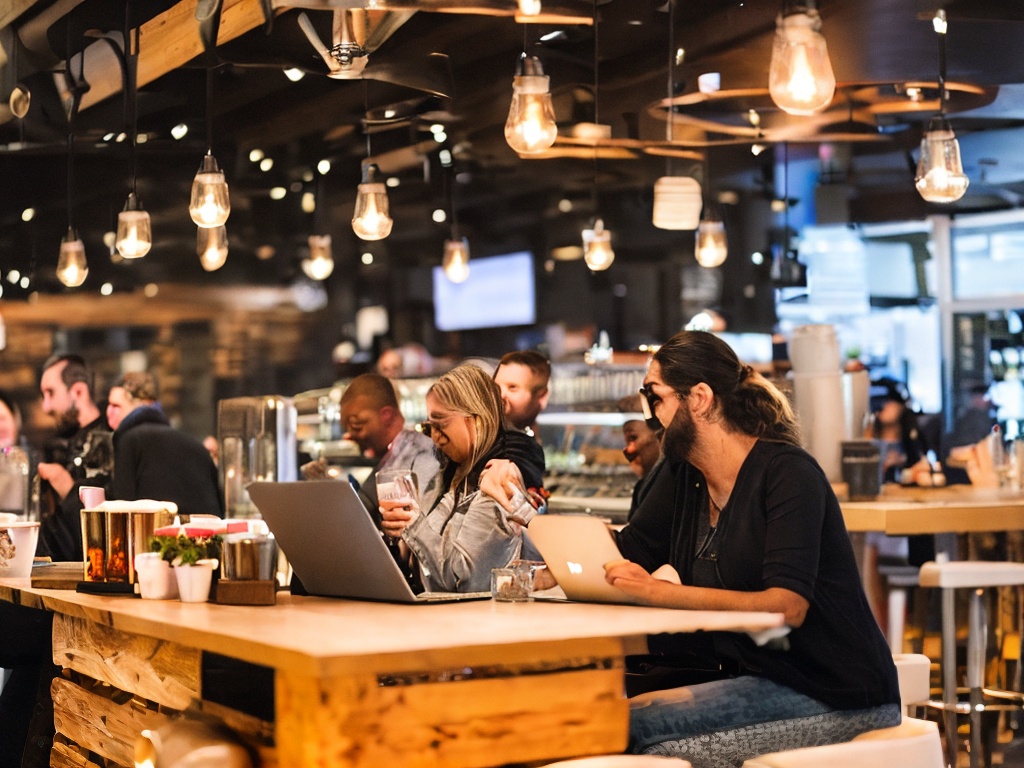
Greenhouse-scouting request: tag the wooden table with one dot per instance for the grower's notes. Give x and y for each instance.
(358, 683)
(955, 509)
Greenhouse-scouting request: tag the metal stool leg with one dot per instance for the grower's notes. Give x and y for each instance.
(977, 643)
(949, 696)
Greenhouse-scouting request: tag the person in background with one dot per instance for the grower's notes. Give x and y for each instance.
(754, 525)
(211, 444)
(895, 425)
(152, 460)
(10, 421)
(523, 378)
(372, 418)
(82, 455)
(134, 389)
(467, 533)
(642, 448)
(390, 364)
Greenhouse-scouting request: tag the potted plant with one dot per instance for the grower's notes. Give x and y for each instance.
(194, 557)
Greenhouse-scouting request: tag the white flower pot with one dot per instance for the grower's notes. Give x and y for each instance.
(157, 580)
(194, 581)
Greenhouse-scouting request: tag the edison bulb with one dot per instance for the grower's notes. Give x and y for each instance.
(456, 259)
(320, 263)
(711, 246)
(72, 268)
(210, 205)
(531, 124)
(212, 247)
(597, 247)
(371, 220)
(800, 77)
(940, 173)
(134, 231)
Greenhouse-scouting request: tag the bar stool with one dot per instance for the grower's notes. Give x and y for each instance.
(898, 580)
(977, 576)
(911, 744)
(622, 761)
(915, 672)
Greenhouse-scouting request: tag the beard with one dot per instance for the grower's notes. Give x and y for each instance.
(67, 422)
(680, 435)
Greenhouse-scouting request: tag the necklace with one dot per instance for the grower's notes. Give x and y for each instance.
(714, 512)
(703, 551)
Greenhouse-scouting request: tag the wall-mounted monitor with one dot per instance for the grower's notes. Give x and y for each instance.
(500, 291)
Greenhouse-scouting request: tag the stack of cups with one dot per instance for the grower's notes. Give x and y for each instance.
(818, 394)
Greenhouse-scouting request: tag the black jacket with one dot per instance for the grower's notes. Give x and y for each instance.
(154, 461)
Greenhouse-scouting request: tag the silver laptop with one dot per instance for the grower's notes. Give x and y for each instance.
(333, 544)
(576, 548)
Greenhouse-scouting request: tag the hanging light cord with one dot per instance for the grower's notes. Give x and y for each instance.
(76, 96)
(785, 195)
(669, 108)
(209, 110)
(597, 118)
(131, 52)
(366, 106)
(939, 24)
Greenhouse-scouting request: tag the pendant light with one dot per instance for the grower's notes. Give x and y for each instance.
(677, 199)
(529, 7)
(371, 219)
(597, 241)
(455, 262)
(134, 229)
(940, 174)
(210, 204)
(72, 268)
(319, 264)
(212, 247)
(597, 247)
(800, 77)
(530, 127)
(710, 246)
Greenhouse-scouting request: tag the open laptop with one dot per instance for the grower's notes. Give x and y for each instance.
(576, 548)
(333, 544)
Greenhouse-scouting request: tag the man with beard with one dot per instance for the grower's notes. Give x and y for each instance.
(749, 523)
(81, 454)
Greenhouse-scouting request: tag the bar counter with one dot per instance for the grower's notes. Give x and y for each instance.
(359, 683)
(900, 511)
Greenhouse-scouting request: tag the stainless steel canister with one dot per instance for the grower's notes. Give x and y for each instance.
(249, 556)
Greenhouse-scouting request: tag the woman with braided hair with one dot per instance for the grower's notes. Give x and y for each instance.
(750, 523)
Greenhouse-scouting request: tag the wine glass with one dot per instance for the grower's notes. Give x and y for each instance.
(397, 488)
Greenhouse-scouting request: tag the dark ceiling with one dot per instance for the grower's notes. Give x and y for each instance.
(502, 201)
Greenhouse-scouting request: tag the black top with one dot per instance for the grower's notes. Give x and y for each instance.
(89, 458)
(152, 460)
(782, 527)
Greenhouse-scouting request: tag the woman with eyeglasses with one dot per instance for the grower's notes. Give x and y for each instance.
(467, 533)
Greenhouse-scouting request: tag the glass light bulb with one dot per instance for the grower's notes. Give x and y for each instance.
(531, 124)
(529, 7)
(210, 205)
(456, 259)
(940, 173)
(320, 263)
(800, 77)
(212, 247)
(677, 203)
(711, 245)
(597, 247)
(370, 220)
(134, 231)
(72, 268)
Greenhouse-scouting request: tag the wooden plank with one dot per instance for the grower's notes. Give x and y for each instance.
(69, 756)
(257, 734)
(352, 722)
(99, 724)
(165, 672)
(171, 39)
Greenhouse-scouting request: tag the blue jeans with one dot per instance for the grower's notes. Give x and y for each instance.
(722, 723)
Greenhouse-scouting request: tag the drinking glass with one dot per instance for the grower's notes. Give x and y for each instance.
(398, 487)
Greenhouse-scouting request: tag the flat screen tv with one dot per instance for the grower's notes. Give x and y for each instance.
(500, 291)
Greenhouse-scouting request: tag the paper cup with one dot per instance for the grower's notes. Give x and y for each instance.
(17, 549)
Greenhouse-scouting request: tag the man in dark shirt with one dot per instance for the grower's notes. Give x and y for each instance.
(81, 454)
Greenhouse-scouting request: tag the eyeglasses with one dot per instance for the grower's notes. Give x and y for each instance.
(648, 400)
